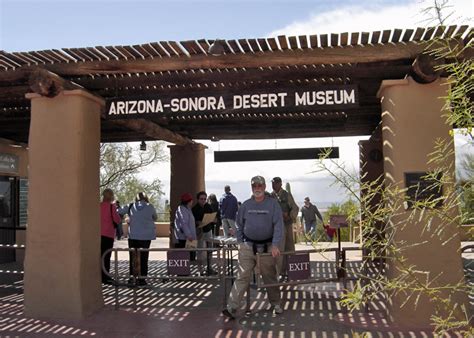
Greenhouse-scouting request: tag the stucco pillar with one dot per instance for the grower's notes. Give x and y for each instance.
(187, 172)
(371, 171)
(411, 122)
(62, 272)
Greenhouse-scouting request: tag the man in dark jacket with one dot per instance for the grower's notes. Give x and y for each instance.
(309, 212)
(228, 208)
(204, 234)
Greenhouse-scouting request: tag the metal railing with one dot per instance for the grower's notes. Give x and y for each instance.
(136, 273)
(340, 261)
(225, 269)
(12, 247)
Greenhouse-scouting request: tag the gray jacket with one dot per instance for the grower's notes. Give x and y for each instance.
(260, 221)
(142, 221)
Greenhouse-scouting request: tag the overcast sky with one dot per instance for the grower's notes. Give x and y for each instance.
(36, 25)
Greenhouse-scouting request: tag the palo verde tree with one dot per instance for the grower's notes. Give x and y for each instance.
(433, 207)
(120, 166)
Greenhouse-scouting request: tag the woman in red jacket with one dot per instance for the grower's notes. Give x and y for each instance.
(108, 216)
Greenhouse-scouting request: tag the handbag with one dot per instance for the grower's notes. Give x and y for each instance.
(112, 216)
(191, 244)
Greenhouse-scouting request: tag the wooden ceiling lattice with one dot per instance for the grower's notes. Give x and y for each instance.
(190, 48)
(168, 68)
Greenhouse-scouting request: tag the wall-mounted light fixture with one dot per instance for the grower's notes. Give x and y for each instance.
(217, 48)
(143, 146)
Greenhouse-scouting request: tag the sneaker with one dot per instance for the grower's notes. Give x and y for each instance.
(108, 281)
(142, 282)
(277, 310)
(229, 313)
(211, 272)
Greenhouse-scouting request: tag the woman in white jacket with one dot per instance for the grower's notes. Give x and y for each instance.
(142, 231)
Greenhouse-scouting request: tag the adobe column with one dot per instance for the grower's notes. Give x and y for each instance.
(187, 172)
(371, 172)
(62, 264)
(412, 121)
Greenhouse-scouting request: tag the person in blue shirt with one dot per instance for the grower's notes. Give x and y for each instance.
(228, 208)
(122, 211)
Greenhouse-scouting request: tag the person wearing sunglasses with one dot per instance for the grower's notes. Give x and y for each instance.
(204, 233)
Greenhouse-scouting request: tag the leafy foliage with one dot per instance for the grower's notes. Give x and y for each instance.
(120, 165)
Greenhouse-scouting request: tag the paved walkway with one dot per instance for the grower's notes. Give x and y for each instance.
(192, 309)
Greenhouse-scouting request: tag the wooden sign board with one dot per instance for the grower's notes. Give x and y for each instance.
(338, 221)
(302, 98)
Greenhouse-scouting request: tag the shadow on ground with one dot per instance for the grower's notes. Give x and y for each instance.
(193, 309)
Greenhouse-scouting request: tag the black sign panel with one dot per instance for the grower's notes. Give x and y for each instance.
(298, 266)
(302, 98)
(179, 263)
(423, 188)
(274, 154)
(8, 163)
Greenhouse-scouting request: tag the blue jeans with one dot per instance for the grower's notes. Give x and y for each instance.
(309, 227)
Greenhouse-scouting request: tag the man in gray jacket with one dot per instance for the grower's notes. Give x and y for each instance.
(259, 226)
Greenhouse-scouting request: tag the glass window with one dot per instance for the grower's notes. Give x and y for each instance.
(5, 199)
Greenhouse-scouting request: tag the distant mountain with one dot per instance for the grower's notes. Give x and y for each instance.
(319, 190)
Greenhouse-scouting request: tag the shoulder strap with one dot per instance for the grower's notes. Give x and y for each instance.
(112, 215)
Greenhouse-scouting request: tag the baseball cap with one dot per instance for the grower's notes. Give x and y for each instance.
(276, 179)
(186, 197)
(257, 180)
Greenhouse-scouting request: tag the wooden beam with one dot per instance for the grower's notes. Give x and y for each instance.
(153, 130)
(234, 76)
(261, 129)
(361, 130)
(354, 54)
(425, 68)
(335, 131)
(48, 84)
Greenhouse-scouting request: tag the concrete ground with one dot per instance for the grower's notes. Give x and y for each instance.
(192, 308)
